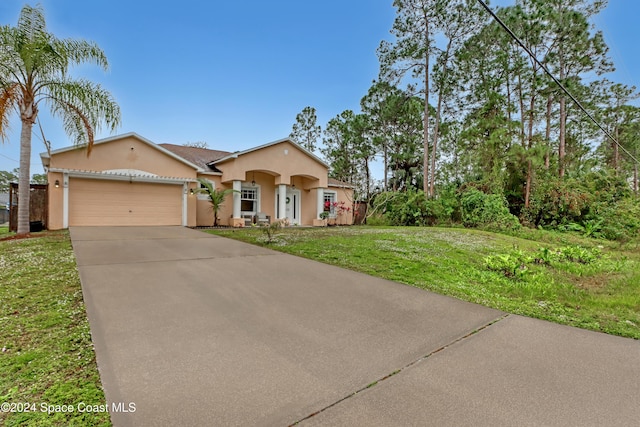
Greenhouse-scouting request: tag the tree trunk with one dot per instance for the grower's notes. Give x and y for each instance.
(616, 151)
(385, 152)
(527, 187)
(522, 116)
(425, 161)
(24, 190)
(548, 131)
(635, 178)
(563, 121)
(432, 188)
(368, 177)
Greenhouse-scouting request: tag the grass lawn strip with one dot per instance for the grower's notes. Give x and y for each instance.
(601, 292)
(46, 353)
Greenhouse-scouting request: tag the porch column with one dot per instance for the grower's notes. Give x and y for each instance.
(237, 196)
(320, 200)
(282, 205)
(185, 201)
(65, 200)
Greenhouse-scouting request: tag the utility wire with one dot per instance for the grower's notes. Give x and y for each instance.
(13, 160)
(560, 85)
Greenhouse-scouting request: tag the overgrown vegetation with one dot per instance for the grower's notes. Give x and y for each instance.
(599, 206)
(471, 130)
(562, 277)
(46, 353)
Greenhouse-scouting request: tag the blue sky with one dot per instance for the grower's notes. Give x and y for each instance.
(235, 74)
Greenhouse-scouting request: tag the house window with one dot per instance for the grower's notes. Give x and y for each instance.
(249, 200)
(329, 201)
(203, 195)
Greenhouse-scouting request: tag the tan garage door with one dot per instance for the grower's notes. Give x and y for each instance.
(95, 202)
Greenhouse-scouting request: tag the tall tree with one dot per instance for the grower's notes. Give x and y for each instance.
(34, 66)
(305, 130)
(414, 30)
(379, 104)
(616, 115)
(458, 21)
(484, 68)
(197, 144)
(338, 148)
(6, 178)
(575, 51)
(348, 148)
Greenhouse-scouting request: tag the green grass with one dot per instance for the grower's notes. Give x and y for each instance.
(592, 284)
(46, 353)
(4, 231)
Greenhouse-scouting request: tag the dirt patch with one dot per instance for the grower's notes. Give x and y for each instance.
(593, 283)
(29, 235)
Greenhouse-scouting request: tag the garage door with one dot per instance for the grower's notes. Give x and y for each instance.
(94, 202)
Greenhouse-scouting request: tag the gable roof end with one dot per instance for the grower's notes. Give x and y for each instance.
(46, 156)
(236, 154)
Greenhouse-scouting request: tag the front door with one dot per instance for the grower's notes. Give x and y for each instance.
(293, 206)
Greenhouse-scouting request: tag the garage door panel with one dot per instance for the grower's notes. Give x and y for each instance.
(94, 202)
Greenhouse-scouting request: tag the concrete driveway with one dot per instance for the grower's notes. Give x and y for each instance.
(195, 329)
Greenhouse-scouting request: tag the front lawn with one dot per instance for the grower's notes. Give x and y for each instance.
(4, 231)
(564, 278)
(46, 354)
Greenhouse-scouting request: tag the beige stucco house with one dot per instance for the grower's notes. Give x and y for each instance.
(129, 180)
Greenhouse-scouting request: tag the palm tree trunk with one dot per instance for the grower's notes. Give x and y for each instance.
(24, 190)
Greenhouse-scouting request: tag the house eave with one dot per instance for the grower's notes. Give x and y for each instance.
(46, 156)
(118, 176)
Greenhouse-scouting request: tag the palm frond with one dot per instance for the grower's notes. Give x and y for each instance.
(83, 107)
(31, 23)
(79, 51)
(8, 97)
(216, 196)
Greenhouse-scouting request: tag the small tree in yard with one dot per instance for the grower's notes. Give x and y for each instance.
(216, 197)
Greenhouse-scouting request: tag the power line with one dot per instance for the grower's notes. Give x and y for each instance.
(557, 82)
(13, 160)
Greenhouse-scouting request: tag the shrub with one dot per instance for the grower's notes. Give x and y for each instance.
(486, 211)
(617, 221)
(377, 219)
(556, 202)
(412, 207)
(270, 230)
(598, 205)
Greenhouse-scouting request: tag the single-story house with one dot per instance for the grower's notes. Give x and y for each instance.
(130, 180)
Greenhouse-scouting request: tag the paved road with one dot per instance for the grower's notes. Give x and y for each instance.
(200, 330)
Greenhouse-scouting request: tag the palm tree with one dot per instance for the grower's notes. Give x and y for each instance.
(33, 71)
(216, 197)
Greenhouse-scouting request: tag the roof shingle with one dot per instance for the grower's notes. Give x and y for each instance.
(198, 156)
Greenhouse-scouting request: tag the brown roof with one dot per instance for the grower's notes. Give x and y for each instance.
(198, 156)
